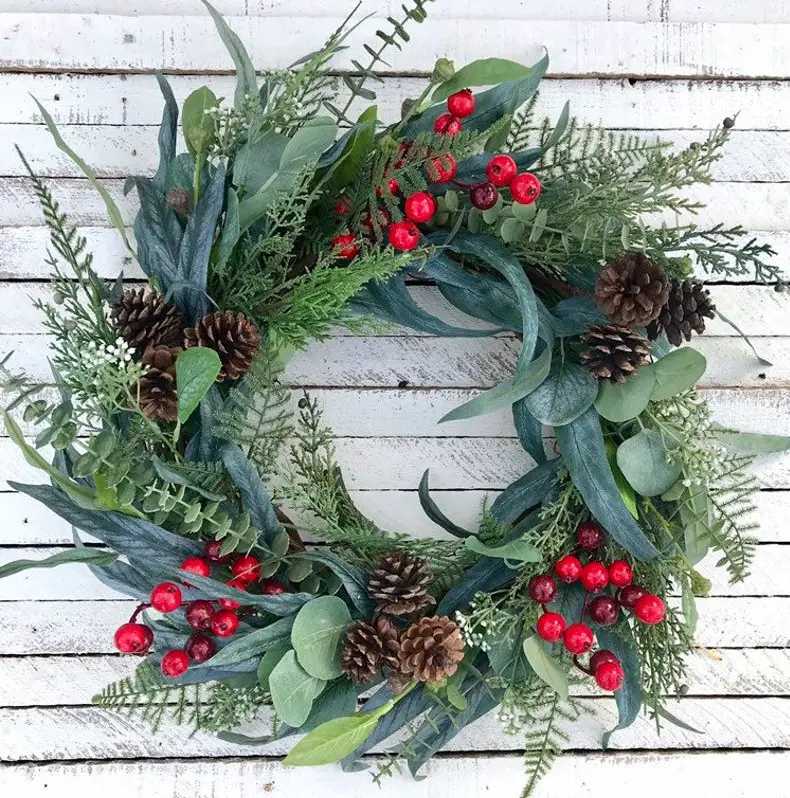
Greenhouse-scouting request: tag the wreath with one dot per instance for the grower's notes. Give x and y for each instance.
(178, 448)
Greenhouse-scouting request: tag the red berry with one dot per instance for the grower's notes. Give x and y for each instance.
(595, 576)
(404, 235)
(224, 623)
(604, 610)
(420, 207)
(484, 196)
(133, 638)
(246, 568)
(578, 638)
(346, 245)
(272, 587)
(392, 186)
(629, 595)
(461, 104)
(620, 573)
(230, 604)
(598, 659)
(166, 597)
(212, 551)
(589, 535)
(650, 609)
(569, 569)
(443, 168)
(525, 188)
(610, 676)
(340, 207)
(543, 589)
(501, 170)
(199, 615)
(194, 565)
(175, 663)
(200, 648)
(550, 626)
(448, 125)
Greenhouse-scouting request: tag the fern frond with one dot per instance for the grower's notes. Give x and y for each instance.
(520, 133)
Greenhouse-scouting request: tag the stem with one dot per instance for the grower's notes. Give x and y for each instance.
(581, 667)
(137, 612)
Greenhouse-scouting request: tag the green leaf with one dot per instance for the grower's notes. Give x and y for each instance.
(623, 401)
(516, 551)
(484, 72)
(198, 126)
(512, 230)
(434, 513)
(269, 662)
(95, 557)
(526, 492)
(545, 666)
(251, 645)
(752, 443)
(626, 491)
(564, 395)
(455, 697)
(317, 635)
(113, 212)
(677, 372)
(197, 369)
(643, 461)
(293, 690)
(333, 740)
(695, 513)
(689, 607)
(258, 160)
(168, 132)
(246, 83)
(231, 231)
(629, 697)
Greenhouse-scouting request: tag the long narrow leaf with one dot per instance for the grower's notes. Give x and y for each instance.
(433, 512)
(86, 556)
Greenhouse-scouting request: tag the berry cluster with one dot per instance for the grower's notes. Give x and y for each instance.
(502, 172)
(201, 615)
(603, 610)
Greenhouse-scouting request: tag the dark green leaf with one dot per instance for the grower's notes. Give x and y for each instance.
(575, 315)
(582, 447)
(484, 577)
(629, 696)
(199, 127)
(433, 512)
(563, 396)
(529, 431)
(251, 645)
(231, 231)
(354, 580)
(626, 491)
(197, 369)
(88, 556)
(545, 666)
(515, 551)
(167, 132)
(483, 72)
(525, 493)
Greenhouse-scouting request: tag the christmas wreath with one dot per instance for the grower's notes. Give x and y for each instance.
(285, 217)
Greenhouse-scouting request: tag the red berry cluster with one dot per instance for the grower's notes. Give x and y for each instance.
(201, 615)
(502, 172)
(459, 106)
(603, 610)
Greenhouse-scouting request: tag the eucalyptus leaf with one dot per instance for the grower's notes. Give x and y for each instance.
(515, 551)
(95, 557)
(696, 516)
(626, 491)
(645, 463)
(629, 696)
(529, 431)
(231, 231)
(563, 396)
(512, 230)
(752, 443)
(623, 401)
(317, 635)
(269, 661)
(483, 72)
(293, 690)
(197, 369)
(677, 372)
(689, 607)
(545, 666)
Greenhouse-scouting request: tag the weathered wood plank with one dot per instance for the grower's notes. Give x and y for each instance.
(54, 42)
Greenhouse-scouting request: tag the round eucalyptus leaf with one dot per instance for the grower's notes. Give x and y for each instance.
(563, 396)
(677, 372)
(623, 401)
(317, 634)
(643, 461)
(293, 690)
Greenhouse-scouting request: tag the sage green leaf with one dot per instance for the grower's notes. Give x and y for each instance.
(257, 160)
(545, 666)
(629, 697)
(455, 697)
(483, 72)
(677, 372)
(695, 513)
(563, 396)
(689, 607)
(269, 662)
(623, 401)
(199, 126)
(626, 491)
(293, 690)
(643, 459)
(95, 557)
(197, 369)
(251, 645)
(752, 443)
(333, 740)
(231, 231)
(516, 551)
(317, 635)
(113, 211)
(512, 230)
(246, 83)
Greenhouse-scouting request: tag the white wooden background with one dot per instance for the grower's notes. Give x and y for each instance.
(674, 66)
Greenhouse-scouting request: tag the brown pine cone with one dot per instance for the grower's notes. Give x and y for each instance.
(367, 647)
(431, 649)
(145, 318)
(236, 340)
(632, 290)
(158, 392)
(685, 311)
(614, 352)
(399, 585)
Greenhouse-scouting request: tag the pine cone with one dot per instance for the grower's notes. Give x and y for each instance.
(614, 352)
(399, 585)
(145, 318)
(632, 290)
(431, 649)
(236, 340)
(158, 393)
(367, 647)
(685, 311)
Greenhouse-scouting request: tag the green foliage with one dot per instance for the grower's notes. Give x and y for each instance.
(293, 690)
(317, 634)
(197, 369)
(227, 707)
